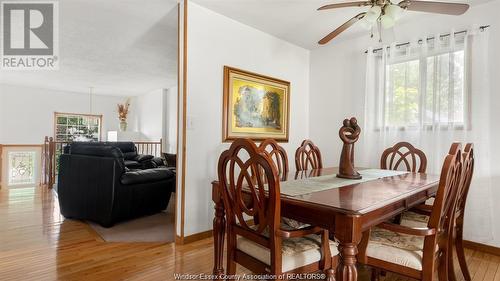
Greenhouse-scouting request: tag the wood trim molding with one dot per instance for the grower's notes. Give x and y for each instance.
(178, 104)
(201, 235)
(180, 236)
(482, 247)
(194, 237)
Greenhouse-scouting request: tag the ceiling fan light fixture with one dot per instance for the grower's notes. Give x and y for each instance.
(365, 24)
(373, 14)
(393, 11)
(387, 21)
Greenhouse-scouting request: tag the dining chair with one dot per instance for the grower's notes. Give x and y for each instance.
(266, 247)
(278, 154)
(420, 215)
(404, 153)
(308, 156)
(416, 251)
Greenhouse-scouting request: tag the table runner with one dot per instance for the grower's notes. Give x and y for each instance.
(315, 184)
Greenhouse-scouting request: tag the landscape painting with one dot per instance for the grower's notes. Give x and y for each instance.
(255, 106)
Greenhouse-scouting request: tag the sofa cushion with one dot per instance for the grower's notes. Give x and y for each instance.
(94, 149)
(143, 157)
(128, 149)
(145, 176)
(133, 164)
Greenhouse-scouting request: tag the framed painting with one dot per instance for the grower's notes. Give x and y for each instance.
(254, 106)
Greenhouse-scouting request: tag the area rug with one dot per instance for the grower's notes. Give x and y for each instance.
(155, 228)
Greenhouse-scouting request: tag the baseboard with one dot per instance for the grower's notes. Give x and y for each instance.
(193, 238)
(482, 247)
(200, 236)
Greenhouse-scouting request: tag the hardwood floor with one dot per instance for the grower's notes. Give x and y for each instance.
(37, 243)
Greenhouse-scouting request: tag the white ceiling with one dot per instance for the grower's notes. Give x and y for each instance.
(118, 47)
(298, 21)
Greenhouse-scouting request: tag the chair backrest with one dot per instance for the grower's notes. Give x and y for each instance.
(278, 154)
(449, 185)
(404, 153)
(244, 191)
(308, 156)
(467, 173)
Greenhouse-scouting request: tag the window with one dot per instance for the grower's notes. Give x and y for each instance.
(425, 89)
(77, 127)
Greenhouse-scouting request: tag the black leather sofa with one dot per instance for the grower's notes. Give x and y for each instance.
(132, 159)
(94, 184)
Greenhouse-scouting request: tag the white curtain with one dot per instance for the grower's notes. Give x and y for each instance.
(431, 93)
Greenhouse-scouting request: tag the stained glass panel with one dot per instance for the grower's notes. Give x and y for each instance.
(21, 167)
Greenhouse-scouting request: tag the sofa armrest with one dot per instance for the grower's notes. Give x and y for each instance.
(146, 176)
(143, 157)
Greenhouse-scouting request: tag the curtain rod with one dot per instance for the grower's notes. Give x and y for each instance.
(481, 28)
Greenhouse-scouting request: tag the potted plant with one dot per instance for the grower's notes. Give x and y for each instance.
(122, 114)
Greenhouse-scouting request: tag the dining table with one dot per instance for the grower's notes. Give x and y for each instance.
(346, 208)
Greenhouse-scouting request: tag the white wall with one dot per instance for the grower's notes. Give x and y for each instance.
(148, 115)
(170, 120)
(338, 81)
(27, 114)
(215, 41)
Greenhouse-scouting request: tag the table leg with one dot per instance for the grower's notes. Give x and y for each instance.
(347, 268)
(348, 233)
(219, 227)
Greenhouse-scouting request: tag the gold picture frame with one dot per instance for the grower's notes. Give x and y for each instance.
(255, 106)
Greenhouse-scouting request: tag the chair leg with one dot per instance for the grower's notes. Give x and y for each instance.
(443, 273)
(451, 264)
(459, 246)
(330, 274)
(231, 245)
(375, 274)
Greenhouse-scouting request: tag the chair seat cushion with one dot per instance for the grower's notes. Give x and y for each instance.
(397, 248)
(296, 252)
(411, 219)
(293, 223)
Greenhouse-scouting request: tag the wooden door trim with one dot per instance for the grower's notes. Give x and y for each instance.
(180, 236)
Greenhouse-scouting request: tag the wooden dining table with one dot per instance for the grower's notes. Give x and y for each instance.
(346, 211)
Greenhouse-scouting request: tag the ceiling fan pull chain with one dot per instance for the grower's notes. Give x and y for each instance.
(379, 25)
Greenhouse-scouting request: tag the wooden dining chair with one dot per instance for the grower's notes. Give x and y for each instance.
(278, 154)
(266, 247)
(420, 215)
(404, 153)
(415, 252)
(308, 156)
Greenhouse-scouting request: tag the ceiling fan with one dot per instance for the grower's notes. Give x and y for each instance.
(385, 14)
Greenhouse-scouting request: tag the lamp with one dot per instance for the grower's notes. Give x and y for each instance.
(371, 17)
(373, 14)
(387, 21)
(393, 11)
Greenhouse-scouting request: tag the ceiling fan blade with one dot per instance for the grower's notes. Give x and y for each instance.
(344, 5)
(341, 29)
(435, 7)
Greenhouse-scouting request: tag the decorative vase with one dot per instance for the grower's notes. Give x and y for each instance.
(123, 126)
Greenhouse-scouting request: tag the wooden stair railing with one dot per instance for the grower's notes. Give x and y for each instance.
(51, 149)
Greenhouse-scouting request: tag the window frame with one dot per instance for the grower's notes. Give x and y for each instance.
(422, 60)
(66, 114)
